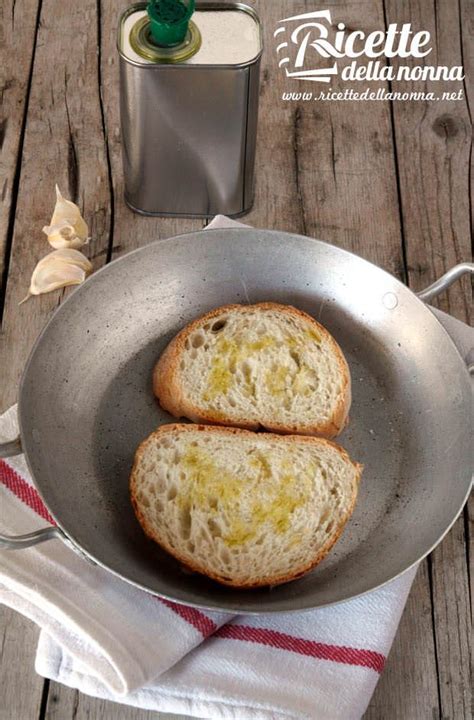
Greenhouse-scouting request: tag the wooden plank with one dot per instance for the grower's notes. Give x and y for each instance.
(466, 10)
(18, 20)
(452, 622)
(433, 141)
(18, 28)
(21, 688)
(64, 143)
(433, 144)
(469, 538)
(321, 171)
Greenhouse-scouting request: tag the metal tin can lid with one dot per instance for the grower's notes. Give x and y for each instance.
(142, 43)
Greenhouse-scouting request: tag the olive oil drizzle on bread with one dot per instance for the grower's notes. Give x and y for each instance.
(251, 366)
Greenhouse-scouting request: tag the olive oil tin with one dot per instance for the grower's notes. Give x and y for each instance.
(189, 125)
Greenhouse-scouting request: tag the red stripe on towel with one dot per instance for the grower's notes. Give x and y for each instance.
(194, 617)
(311, 648)
(262, 636)
(23, 491)
(30, 496)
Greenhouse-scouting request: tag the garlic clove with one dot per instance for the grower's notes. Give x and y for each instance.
(69, 255)
(63, 235)
(68, 228)
(57, 270)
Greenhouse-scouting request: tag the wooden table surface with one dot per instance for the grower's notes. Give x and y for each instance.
(387, 180)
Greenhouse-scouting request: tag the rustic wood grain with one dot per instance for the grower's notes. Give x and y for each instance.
(433, 145)
(452, 623)
(469, 533)
(21, 689)
(18, 27)
(324, 169)
(466, 18)
(63, 143)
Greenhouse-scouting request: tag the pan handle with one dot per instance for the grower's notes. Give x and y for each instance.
(445, 281)
(18, 542)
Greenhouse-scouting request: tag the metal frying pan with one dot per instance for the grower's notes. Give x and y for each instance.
(86, 402)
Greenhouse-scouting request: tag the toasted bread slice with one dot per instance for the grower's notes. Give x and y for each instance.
(253, 366)
(246, 509)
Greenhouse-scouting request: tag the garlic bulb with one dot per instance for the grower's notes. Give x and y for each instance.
(57, 270)
(68, 228)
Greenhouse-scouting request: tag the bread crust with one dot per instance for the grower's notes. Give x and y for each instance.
(168, 388)
(239, 432)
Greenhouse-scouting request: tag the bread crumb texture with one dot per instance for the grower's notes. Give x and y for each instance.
(265, 365)
(249, 363)
(244, 508)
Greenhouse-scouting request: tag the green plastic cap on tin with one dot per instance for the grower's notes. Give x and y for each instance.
(169, 20)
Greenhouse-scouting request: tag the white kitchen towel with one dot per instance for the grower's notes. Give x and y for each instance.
(108, 639)
(111, 640)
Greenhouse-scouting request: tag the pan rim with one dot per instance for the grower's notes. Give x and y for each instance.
(204, 233)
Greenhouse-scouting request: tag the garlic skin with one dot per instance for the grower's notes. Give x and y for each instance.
(68, 228)
(58, 269)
